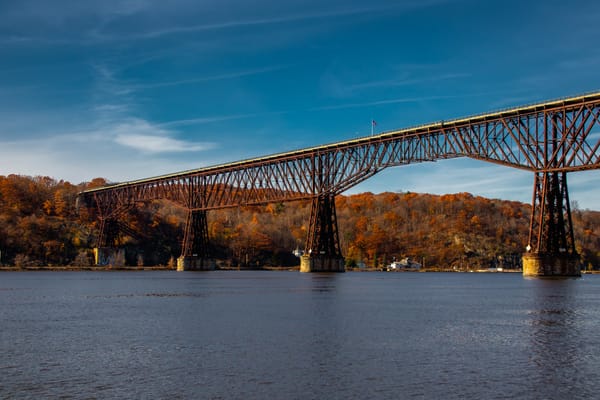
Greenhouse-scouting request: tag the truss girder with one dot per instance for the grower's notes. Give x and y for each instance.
(551, 228)
(195, 240)
(323, 238)
(561, 136)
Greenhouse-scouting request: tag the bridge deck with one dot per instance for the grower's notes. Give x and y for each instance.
(406, 132)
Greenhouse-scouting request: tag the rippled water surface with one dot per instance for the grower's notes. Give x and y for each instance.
(287, 335)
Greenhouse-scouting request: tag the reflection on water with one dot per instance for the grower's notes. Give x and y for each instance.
(323, 282)
(256, 335)
(558, 319)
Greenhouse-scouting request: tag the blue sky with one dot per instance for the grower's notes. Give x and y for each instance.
(130, 89)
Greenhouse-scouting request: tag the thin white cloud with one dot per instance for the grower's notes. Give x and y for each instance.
(112, 108)
(210, 120)
(211, 78)
(406, 82)
(147, 137)
(381, 102)
(109, 21)
(587, 61)
(158, 144)
(110, 151)
(289, 15)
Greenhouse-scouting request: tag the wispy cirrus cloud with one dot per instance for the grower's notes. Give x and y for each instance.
(159, 144)
(381, 102)
(209, 78)
(406, 81)
(147, 137)
(115, 20)
(341, 82)
(348, 9)
(587, 61)
(219, 118)
(117, 150)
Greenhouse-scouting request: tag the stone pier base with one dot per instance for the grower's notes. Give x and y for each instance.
(550, 265)
(104, 256)
(195, 264)
(322, 264)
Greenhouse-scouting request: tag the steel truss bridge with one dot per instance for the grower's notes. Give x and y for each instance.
(549, 139)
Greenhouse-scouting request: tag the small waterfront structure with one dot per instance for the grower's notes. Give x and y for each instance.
(405, 263)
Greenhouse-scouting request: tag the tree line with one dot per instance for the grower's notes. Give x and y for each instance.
(40, 224)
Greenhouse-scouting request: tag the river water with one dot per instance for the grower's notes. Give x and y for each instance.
(287, 335)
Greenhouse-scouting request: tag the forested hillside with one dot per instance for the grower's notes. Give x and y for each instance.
(40, 225)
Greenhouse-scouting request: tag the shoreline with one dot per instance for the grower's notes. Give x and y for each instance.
(165, 268)
(73, 268)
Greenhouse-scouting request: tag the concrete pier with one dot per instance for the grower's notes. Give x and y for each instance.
(195, 264)
(322, 264)
(550, 265)
(104, 256)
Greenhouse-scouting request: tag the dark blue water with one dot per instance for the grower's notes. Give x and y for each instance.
(287, 335)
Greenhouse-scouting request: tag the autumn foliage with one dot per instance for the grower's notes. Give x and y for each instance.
(41, 225)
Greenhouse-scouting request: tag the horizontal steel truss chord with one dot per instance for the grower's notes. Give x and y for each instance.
(519, 139)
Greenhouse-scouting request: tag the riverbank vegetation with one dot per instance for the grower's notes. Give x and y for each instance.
(41, 225)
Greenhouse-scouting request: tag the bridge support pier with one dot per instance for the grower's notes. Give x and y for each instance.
(323, 252)
(106, 252)
(192, 263)
(550, 265)
(195, 252)
(322, 264)
(109, 256)
(551, 249)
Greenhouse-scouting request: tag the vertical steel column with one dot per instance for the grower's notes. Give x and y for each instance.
(195, 249)
(551, 248)
(106, 251)
(108, 232)
(323, 238)
(109, 213)
(322, 250)
(551, 230)
(195, 239)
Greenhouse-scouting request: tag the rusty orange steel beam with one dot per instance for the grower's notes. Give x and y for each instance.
(555, 136)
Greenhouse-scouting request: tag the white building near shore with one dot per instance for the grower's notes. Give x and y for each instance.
(405, 263)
